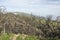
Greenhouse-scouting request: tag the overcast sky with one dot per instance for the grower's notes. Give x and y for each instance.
(37, 7)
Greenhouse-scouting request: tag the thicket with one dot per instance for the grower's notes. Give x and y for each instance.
(19, 22)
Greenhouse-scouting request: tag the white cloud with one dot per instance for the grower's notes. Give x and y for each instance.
(52, 2)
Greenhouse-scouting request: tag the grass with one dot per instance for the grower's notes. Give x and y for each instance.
(21, 37)
(4, 37)
(31, 38)
(25, 37)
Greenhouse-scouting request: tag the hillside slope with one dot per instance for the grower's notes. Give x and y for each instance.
(30, 25)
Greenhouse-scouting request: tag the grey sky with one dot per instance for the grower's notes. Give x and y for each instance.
(37, 7)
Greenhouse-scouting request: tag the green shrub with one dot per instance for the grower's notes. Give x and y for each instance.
(4, 37)
(53, 39)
